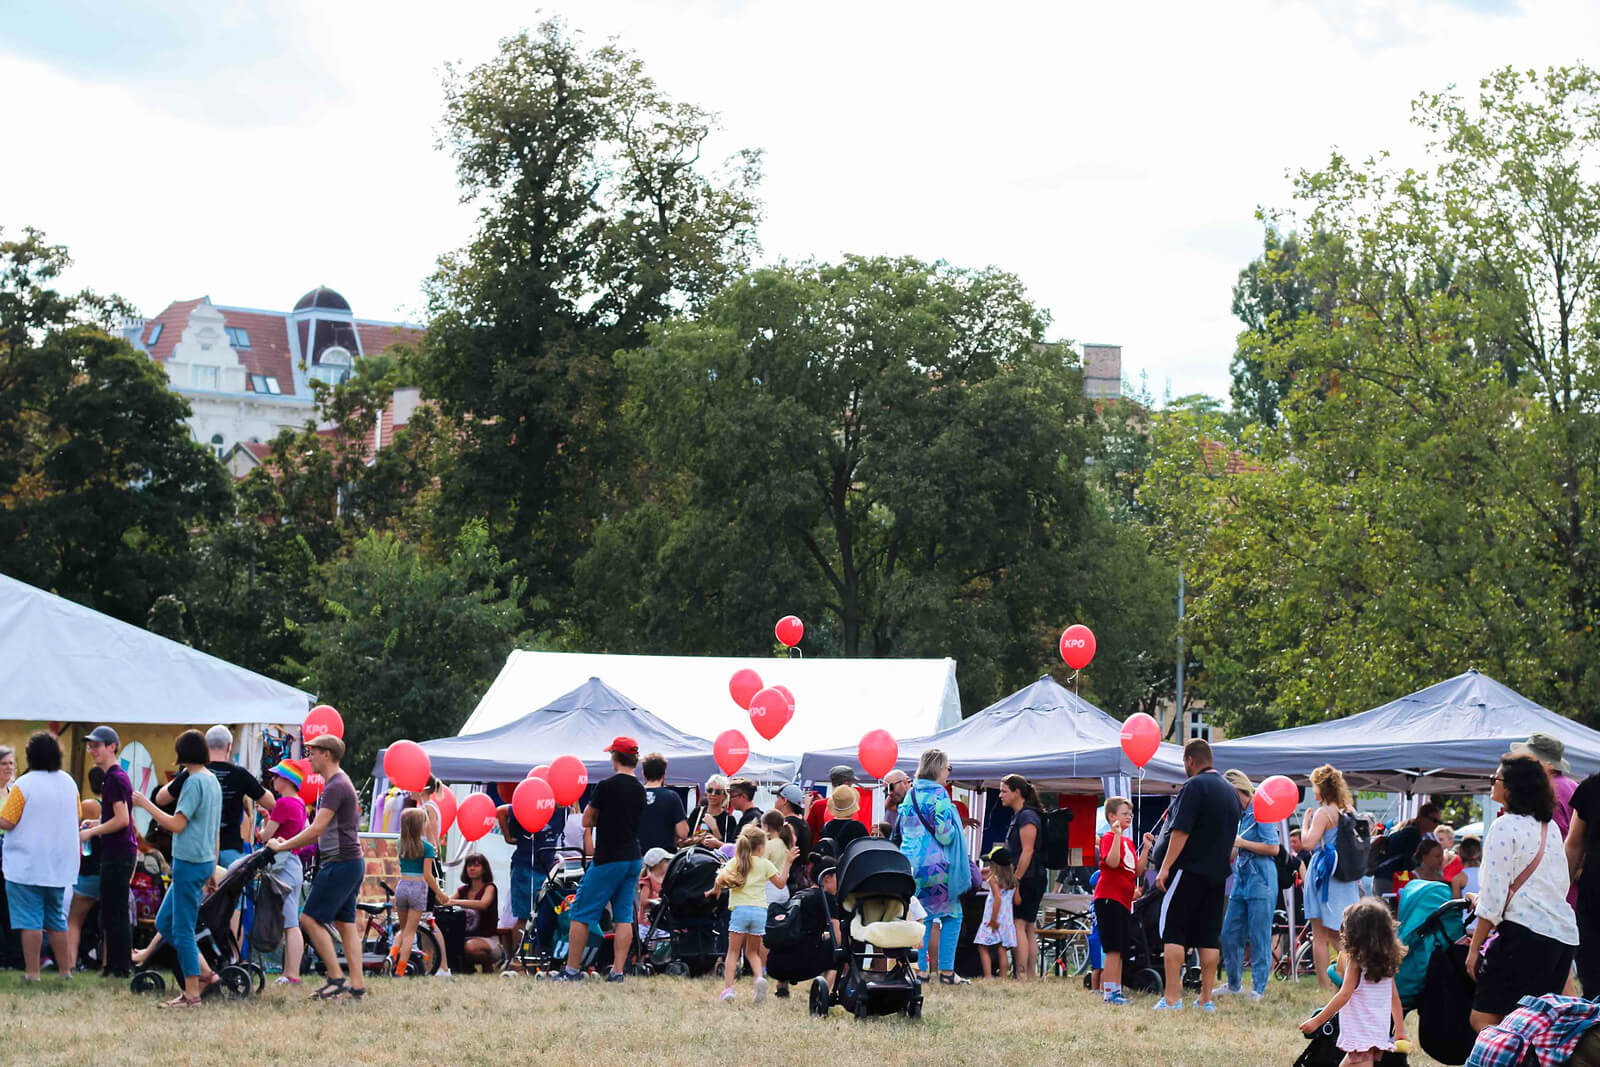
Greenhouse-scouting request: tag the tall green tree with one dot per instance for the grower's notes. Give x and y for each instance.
(409, 643)
(1427, 502)
(886, 447)
(597, 217)
(100, 479)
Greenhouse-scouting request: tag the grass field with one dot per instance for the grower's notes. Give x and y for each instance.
(657, 1021)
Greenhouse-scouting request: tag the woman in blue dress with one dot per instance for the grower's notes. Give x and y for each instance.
(1327, 896)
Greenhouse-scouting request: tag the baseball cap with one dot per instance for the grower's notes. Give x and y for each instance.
(793, 794)
(841, 774)
(625, 746)
(105, 735)
(999, 854)
(655, 856)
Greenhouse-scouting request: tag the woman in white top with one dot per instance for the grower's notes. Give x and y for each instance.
(40, 818)
(1522, 897)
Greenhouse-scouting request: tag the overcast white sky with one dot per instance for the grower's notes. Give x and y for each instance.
(1112, 155)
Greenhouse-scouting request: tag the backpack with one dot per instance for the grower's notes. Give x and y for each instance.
(1055, 853)
(1353, 845)
(1288, 869)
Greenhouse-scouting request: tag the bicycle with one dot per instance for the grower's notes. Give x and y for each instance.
(377, 938)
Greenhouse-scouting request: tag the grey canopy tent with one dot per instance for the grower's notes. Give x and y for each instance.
(1044, 732)
(1447, 738)
(581, 723)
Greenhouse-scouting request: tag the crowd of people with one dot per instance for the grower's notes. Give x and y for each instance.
(1531, 880)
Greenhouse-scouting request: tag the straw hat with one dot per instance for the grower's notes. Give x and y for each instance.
(844, 802)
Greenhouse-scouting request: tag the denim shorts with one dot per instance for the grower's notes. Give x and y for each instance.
(36, 907)
(522, 892)
(607, 883)
(748, 919)
(333, 894)
(88, 886)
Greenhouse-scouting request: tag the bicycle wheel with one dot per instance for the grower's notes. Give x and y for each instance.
(1075, 956)
(427, 945)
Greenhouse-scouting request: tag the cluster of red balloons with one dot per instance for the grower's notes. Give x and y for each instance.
(1141, 737)
(1275, 799)
(1077, 646)
(770, 706)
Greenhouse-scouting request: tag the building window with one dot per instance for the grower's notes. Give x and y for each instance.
(1199, 728)
(205, 377)
(265, 383)
(155, 333)
(216, 444)
(238, 336)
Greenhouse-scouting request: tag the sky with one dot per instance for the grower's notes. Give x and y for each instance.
(1111, 155)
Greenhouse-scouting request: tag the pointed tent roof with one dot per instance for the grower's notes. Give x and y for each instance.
(1447, 738)
(1045, 732)
(580, 723)
(63, 662)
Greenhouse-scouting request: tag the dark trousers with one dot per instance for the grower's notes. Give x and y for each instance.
(116, 931)
(10, 942)
(1588, 954)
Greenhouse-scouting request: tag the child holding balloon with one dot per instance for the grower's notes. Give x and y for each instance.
(1120, 869)
(416, 879)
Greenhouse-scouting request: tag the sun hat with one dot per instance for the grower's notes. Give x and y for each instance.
(844, 802)
(289, 772)
(1546, 749)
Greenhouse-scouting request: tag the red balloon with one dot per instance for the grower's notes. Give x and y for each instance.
(744, 685)
(446, 801)
(1275, 799)
(541, 771)
(322, 719)
(878, 752)
(476, 816)
(1141, 737)
(1077, 647)
(787, 696)
(312, 789)
(406, 765)
(505, 789)
(567, 779)
(730, 750)
(789, 630)
(770, 712)
(533, 803)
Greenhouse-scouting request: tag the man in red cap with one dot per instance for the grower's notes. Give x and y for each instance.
(611, 836)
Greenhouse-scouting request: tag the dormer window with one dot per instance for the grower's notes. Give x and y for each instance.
(265, 383)
(155, 332)
(238, 336)
(205, 377)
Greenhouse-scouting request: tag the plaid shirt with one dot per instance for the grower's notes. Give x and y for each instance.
(1548, 1027)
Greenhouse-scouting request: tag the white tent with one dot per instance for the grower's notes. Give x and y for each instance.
(836, 700)
(65, 663)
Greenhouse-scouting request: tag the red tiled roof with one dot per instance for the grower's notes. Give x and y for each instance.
(1220, 459)
(258, 449)
(269, 351)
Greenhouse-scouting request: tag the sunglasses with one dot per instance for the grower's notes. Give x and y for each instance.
(716, 792)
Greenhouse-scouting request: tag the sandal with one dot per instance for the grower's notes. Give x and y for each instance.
(355, 994)
(952, 978)
(332, 988)
(181, 1002)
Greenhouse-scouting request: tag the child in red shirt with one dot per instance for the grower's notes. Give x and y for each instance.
(1120, 869)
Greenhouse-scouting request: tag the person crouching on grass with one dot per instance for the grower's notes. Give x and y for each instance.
(745, 878)
(335, 829)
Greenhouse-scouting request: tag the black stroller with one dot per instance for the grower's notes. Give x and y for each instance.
(679, 934)
(1143, 967)
(238, 975)
(878, 976)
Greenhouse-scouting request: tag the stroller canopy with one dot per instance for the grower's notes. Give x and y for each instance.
(1447, 738)
(1045, 732)
(580, 723)
(691, 873)
(874, 866)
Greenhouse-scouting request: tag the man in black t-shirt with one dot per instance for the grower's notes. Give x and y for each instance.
(742, 801)
(1204, 822)
(664, 824)
(240, 792)
(611, 835)
(1583, 856)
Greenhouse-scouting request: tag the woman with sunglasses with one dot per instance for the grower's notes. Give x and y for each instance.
(712, 824)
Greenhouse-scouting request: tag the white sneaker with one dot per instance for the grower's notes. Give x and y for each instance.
(1256, 996)
(761, 989)
(1226, 991)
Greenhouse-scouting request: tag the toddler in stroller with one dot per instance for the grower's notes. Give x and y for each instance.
(229, 969)
(875, 887)
(678, 935)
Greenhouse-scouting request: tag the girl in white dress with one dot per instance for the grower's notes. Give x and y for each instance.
(997, 928)
(1367, 1002)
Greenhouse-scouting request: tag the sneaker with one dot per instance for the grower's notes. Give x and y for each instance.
(566, 976)
(614, 976)
(1256, 996)
(1209, 1006)
(727, 996)
(761, 989)
(1118, 999)
(1162, 1005)
(1226, 991)
(287, 980)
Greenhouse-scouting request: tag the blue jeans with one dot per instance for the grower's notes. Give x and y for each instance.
(1248, 920)
(949, 937)
(180, 911)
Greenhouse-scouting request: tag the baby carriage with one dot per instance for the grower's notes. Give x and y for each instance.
(560, 889)
(1322, 1049)
(878, 978)
(679, 936)
(1143, 966)
(237, 975)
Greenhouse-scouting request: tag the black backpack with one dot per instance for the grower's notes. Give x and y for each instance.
(1352, 845)
(1056, 851)
(1288, 868)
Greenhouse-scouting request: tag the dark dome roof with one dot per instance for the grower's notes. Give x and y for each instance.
(322, 297)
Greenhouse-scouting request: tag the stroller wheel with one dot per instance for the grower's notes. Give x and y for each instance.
(259, 974)
(1147, 980)
(645, 969)
(914, 1008)
(861, 1008)
(147, 982)
(236, 981)
(678, 969)
(821, 998)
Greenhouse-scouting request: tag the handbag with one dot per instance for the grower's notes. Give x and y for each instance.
(1516, 884)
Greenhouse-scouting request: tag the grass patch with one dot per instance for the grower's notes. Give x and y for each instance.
(496, 1021)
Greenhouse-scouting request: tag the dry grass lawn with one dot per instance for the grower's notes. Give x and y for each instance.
(659, 1021)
